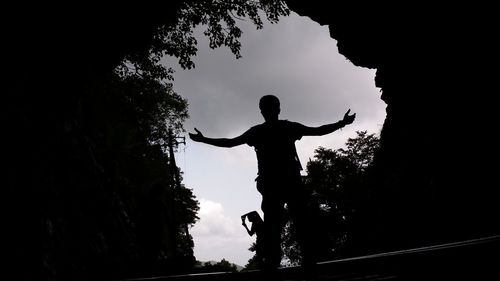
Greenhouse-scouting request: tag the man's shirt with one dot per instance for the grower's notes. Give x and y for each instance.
(274, 144)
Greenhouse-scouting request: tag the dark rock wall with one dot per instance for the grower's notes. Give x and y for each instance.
(52, 55)
(436, 67)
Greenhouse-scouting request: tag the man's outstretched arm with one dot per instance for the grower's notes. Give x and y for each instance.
(221, 142)
(329, 128)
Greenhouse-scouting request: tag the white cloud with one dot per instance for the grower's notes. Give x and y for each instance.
(217, 235)
(213, 221)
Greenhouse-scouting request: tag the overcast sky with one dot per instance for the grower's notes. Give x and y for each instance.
(295, 60)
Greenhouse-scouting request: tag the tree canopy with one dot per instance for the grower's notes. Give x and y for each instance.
(336, 180)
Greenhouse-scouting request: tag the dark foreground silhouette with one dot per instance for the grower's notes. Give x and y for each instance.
(463, 260)
(279, 179)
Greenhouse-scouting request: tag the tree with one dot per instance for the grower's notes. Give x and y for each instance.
(220, 19)
(336, 180)
(126, 119)
(253, 262)
(221, 266)
(91, 130)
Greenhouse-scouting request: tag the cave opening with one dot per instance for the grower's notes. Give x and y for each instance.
(295, 59)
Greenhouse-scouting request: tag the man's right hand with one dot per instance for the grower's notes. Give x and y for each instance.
(348, 119)
(196, 137)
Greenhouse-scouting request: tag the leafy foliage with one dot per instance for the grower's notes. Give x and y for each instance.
(290, 247)
(253, 262)
(220, 19)
(126, 120)
(221, 266)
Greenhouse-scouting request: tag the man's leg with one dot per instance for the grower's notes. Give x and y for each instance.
(302, 216)
(273, 209)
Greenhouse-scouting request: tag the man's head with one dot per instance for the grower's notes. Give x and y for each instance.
(269, 107)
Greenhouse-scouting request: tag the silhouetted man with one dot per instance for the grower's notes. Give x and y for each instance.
(279, 179)
(257, 228)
